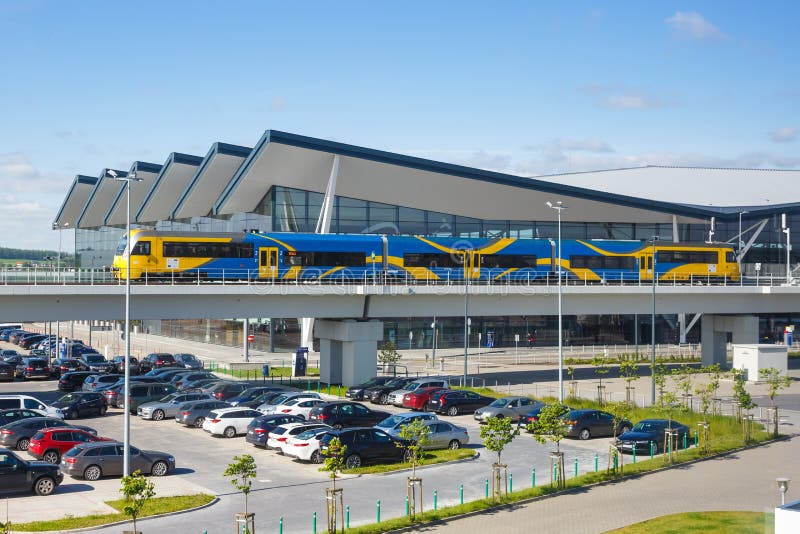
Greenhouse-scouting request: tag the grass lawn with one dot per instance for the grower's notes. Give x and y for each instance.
(716, 522)
(155, 506)
(428, 458)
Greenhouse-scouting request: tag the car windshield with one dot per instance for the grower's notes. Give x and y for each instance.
(168, 398)
(499, 403)
(308, 434)
(94, 358)
(391, 422)
(646, 426)
(396, 383)
(69, 397)
(188, 358)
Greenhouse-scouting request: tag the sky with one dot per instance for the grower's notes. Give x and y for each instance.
(528, 88)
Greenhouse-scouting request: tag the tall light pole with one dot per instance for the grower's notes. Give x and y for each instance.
(787, 230)
(653, 328)
(466, 317)
(126, 432)
(559, 207)
(739, 245)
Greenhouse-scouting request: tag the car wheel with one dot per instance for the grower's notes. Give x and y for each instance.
(452, 410)
(198, 423)
(158, 415)
(454, 444)
(316, 457)
(44, 486)
(159, 469)
(229, 432)
(103, 410)
(338, 426)
(51, 457)
(584, 434)
(93, 472)
(22, 444)
(384, 399)
(353, 461)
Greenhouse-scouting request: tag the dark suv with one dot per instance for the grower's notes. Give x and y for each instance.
(97, 363)
(260, 427)
(380, 394)
(340, 414)
(17, 474)
(141, 393)
(34, 368)
(365, 445)
(157, 360)
(119, 362)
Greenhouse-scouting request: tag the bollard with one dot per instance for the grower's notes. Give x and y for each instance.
(486, 489)
(329, 389)
(406, 505)
(684, 440)
(634, 452)
(596, 461)
(555, 472)
(461, 493)
(533, 477)
(314, 524)
(317, 386)
(280, 526)
(244, 529)
(651, 450)
(308, 385)
(511, 482)
(695, 438)
(576, 467)
(347, 517)
(434, 500)
(378, 512)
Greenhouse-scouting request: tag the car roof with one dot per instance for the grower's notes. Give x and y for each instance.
(232, 409)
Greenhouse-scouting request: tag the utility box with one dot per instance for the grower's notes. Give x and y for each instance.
(752, 358)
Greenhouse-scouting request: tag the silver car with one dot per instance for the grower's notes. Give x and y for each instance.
(396, 396)
(511, 407)
(444, 435)
(168, 406)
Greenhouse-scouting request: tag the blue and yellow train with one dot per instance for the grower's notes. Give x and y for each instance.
(339, 257)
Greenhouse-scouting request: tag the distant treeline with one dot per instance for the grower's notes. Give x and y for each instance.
(24, 254)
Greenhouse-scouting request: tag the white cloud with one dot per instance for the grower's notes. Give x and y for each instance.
(692, 25)
(592, 144)
(617, 97)
(784, 135)
(631, 101)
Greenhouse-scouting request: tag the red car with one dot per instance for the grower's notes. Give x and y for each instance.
(418, 400)
(50, 443)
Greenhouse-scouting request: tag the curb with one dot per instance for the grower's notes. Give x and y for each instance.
(424, 467)
(214, 501)
(507, 506)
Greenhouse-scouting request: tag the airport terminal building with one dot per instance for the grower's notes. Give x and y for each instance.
(280, 184)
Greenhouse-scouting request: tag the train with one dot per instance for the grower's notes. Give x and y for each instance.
(275, 256)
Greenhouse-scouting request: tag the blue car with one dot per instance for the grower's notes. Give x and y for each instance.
(650, 431)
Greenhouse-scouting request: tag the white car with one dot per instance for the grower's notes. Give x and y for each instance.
(229, 422)
(305, 445)
(269, 407)
(277, 438)
(301, 406)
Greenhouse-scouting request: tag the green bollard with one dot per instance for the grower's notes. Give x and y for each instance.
(486, 489)
(347, 517)
(651, 450)
(555, 472)
(596, 462)
(280, 526)
(634, 453)
(576, 467)
(314, 524)
(308, 385)
(244, 529)
(378, 512)
(406, 505)
(329, 389)
(511, 482)
(461, 493)
(533, 477)
(684, 440)
(669, 447)
(695, 438)
(434, 500)
(317, 386)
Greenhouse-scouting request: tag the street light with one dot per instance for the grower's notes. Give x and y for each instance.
(653, 327)
(559, 207)
(126, 432)
(783, 487)
(786, 230)
(739, 246)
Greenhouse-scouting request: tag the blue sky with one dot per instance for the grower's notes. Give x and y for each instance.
(522, 87)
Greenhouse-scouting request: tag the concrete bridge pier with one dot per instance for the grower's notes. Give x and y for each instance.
(348, 350)
(714, 335)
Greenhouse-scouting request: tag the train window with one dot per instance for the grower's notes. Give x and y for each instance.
(602, 262)
(432, 261)
(141, 248)
(703, 257)
(187, 249)
(730, 256)
(508, 261)
(337, 259)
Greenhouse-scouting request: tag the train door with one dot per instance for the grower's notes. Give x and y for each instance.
(645, 266)
(473, 266)
(267, 262)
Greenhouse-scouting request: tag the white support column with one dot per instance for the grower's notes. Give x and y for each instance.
(323, 227)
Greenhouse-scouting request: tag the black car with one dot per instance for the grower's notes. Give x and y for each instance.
(226, 390)
(649, 431)
(188, 361)
(532, 415)
(78, 404)
(194, 413)
(19, 433)
(15, 414)
(264, 398)
(357, 392)
(380, 394)
(586, 424)
(252, 393)
(34, 368)
(119, 363)
(27, 341)
(157, 360)
(454, 402)
(161, 370)
(73, 380)
(197, 385)
(65, 365)
(17, 474)
(179, 379)
(260, 427)
(97, 363)
(365, 445)
(7, 371)
(340, 414)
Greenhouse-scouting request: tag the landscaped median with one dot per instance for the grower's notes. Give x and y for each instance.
(154, 506)
(427, 458)
(717, 522)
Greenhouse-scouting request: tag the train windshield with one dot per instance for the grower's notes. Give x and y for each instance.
(123, 242)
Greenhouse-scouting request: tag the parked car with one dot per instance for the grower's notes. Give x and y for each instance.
(357, 392)
(133, 365)
(340, 414)
(277, 438)
(274, 400)
(305, 445)
(199, 384)
(19, 433)
(7, 353)
(96, 382)
(160, 370)
(532, 415)
(418, 399)
(188, 361)
(50, 443)
(585, 424)
(31, 403)
(17, 474)
(95, 460)
(39, 353)
(168, 405)
(179, 379)
(34, 368)
(394, 423)
(259, 428)
(227, 390)
(365, 445)
(512, 407)
(73, 380)
(229, 422)
(396, 396)
(7, 371)
(444, 435)
(97, 363)
(195, 412)
(454, 402)
(15, 414)
(252, 393)
(64, 365)
(157, 360)
(27, 341)
(78, 404)
(380, 394)
(112, 393)
(649, 431)
(300, 406)
(141, 393)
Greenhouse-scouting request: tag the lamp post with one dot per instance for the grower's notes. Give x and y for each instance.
(783, 487)
(787, 230)
(126, 432)
(559, 207)
(653, 327)
(739, 245)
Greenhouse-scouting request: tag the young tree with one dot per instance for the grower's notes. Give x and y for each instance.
(629, 371)
(552, 427)
(659, 371)
(705, 394)
(683, 382)
(388, 354)
(137, 491)
(496, 434)
(776, 380)
(335, 458)
(572, 383)
(242, 471)
(620, 411)
(416, 437)
(744, 402)
(600, 369)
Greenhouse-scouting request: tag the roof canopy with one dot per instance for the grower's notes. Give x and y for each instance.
(104, 193)
(167, 187)
(147, 173)
(78, 195)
